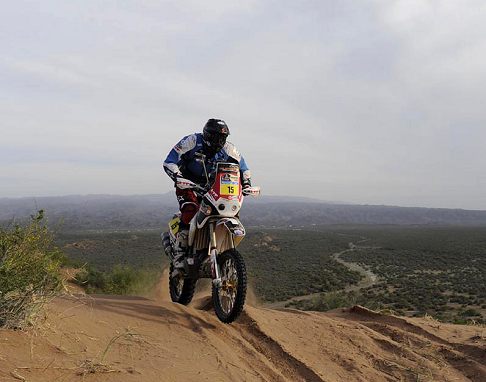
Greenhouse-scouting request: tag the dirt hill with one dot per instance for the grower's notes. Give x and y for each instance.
(111, 338)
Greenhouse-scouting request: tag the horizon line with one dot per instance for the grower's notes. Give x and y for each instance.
(309, 199)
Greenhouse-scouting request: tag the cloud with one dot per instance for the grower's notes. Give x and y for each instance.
(370, 102)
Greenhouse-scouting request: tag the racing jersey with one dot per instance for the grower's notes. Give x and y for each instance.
(181, 161)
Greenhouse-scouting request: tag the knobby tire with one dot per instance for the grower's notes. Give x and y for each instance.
(240, 290)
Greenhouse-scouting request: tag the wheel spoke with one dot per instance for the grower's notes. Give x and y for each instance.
(227, 293)
(178, 283)
(228, 304)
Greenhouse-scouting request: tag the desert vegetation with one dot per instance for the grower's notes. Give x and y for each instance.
(29, 271)
(121, 280)
(438, 271)
(287, 263)
(300, 260)
(115, 262)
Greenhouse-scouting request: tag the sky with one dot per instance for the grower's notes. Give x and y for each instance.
(369, 102)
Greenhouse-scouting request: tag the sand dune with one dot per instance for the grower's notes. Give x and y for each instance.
(114, 338)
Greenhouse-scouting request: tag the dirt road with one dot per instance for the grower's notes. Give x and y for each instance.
(369, 278)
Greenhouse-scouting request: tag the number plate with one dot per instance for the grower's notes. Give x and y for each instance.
(229, 185)
(227, 189)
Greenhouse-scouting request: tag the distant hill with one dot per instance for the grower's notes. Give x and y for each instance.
(95, 212)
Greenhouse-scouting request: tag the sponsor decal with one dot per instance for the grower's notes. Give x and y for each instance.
(213, 194)
(174, 225)
(229, 179)
(229, 185)
(229, 167)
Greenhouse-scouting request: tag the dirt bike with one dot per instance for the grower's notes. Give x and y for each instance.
(214, 234)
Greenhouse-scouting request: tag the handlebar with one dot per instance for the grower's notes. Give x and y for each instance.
(252, 191)
(185, 184)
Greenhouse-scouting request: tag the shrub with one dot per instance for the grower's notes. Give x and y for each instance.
(122, 280)
(29, 271)
(91, 280)
(326, 301)
(470, 313)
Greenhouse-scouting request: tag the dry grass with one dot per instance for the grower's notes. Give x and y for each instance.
(98, 364)
(29, 272)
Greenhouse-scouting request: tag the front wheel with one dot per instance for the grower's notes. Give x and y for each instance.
(229, 298)
(181, 289)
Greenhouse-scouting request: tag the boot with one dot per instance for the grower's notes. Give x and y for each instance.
(180, 248)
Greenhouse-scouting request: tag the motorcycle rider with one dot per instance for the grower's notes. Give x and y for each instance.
(184, 161)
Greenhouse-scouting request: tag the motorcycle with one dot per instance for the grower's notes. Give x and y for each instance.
(214, 234)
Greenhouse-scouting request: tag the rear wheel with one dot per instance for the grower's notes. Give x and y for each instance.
(229, 298)
(181, 289)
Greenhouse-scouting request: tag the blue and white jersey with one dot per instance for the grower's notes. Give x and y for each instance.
(181, 160)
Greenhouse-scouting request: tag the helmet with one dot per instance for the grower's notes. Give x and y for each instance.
(215, 133)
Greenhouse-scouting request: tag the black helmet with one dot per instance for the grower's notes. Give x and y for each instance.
(215, 133)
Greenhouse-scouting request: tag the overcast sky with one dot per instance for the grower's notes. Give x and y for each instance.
(377, 102)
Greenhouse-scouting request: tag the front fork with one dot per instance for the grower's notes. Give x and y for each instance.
(215, 272)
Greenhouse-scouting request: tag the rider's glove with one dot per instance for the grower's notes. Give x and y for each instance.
(175, 176)
(246, 186)
(184, 184)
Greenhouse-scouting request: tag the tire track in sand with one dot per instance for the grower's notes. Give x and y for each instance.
(290, 366)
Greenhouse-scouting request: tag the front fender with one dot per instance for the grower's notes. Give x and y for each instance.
(232, 229)
(234, 226)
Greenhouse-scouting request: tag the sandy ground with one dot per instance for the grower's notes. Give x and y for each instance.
(112, 338)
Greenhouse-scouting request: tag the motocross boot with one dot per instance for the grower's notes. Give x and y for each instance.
(180, 248)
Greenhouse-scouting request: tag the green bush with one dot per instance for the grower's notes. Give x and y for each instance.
(91, 280)
(326, 301)
(29, 271)
(122, 280)
(470, 313)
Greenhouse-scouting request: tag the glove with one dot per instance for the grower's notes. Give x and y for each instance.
(246, 186)
(184, 184)
(174, 176)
